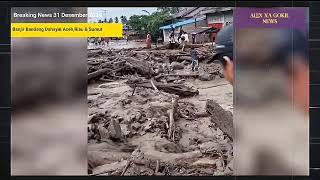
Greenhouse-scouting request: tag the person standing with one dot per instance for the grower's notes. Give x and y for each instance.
(107, 41)
(194, 57)
(148, 40)
(184, 39)
(180, 33)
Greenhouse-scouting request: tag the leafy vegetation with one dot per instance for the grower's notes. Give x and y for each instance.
(123, 19)
(170, 10)
(143, 24)
(116, 20)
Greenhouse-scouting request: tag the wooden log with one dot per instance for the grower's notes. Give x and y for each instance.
(194, 45)
(171, 117)
(98, 158)
(99, 73)
(94, 52)
(177, 75)
(184, 58)
(142, 67)
(178, 89)
(157, 168)
(153, 85)
(104, 71)
(222, 118)
(109, 167)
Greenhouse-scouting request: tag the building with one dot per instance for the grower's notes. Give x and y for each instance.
(218, 18)
(186, 25)
(203, 22)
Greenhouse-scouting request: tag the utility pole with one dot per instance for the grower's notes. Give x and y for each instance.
(105, 15)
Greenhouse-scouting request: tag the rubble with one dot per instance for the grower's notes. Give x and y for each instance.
(149, 114)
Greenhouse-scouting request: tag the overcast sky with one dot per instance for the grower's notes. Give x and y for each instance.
(117, 12)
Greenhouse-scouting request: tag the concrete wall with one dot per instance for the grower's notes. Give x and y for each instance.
(224, 17)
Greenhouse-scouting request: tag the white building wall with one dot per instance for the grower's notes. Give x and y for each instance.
(224, 17)
(228, 18)
(216, 18)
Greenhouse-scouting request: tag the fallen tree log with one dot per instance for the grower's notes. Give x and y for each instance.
(194, 45)
(178, 89)
(98, 158)
(222, 118)
(142, 67)
(184, 58)
(99, 73)
(177, 75)
(109, 167)
(94, 52)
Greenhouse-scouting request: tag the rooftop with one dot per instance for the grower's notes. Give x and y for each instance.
(182, 23)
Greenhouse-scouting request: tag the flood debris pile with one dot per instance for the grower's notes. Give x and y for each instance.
(110, 65)
(143, 119)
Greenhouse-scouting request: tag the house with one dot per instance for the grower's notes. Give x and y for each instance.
(196, 19)
(202, 34)
(186, 25)
(218, 18)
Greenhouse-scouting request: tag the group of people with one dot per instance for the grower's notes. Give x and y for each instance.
(182, 39)
(100, 41)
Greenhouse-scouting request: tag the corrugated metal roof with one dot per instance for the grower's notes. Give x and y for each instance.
(195, 12)
(181, 23)
(216, 10)
(203, 29)
(184, 11)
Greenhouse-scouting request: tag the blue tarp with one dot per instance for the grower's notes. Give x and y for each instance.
(181, 23)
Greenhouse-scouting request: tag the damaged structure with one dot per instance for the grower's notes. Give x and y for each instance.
(200, 23)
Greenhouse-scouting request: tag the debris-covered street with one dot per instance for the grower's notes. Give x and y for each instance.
(149, 114)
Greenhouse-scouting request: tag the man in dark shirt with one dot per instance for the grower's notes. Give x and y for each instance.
(194, 57)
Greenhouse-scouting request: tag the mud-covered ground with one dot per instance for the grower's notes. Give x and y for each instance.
(128, 129)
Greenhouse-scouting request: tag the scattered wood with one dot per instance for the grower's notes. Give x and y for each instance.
(153, 113)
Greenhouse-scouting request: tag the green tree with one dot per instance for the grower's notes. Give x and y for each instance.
(149, 23)
(110, 20)
(116, 20)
